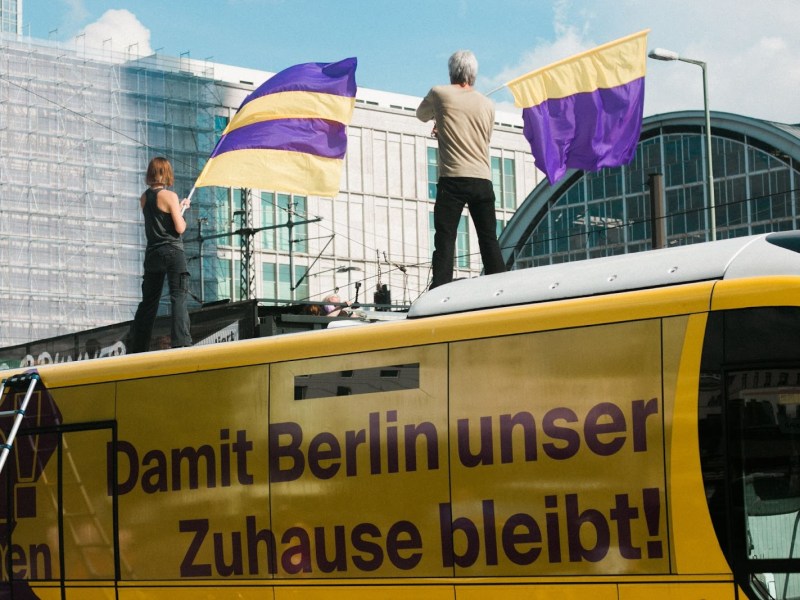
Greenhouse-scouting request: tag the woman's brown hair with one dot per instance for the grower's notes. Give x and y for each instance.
(159, 172)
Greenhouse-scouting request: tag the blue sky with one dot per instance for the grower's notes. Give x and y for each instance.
(752, 48)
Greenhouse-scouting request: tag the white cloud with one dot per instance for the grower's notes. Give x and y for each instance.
(750, 50)
(118, 31)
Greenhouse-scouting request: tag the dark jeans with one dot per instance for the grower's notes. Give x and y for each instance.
(160, 262)
(451, 196)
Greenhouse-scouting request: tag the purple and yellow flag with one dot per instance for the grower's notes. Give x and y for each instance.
(289, 135)
(585, 112)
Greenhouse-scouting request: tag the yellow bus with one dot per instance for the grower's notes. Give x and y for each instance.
(618, 428)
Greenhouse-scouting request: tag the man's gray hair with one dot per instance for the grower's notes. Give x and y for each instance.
(463, 67)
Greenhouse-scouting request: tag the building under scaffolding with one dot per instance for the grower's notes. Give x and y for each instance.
(76, 133)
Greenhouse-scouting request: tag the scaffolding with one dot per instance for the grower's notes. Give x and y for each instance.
(76, 132)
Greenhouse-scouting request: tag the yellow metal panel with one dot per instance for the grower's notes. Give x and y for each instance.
(677, 591)
(86, 403)
(753, 292)
(88, 536)
(377, 489)
(90, 593)
(196, 592)
(674, 334)
(695, 545)
(557, 460)
(45, 592)
(574, 591)
(369, 592)
(192, 476)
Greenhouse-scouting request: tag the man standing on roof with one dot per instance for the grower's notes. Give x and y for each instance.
(463, 122)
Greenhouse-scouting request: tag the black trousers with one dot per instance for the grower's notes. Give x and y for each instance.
(451, 196)
(162, 262)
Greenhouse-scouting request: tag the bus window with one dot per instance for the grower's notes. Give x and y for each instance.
(767, 419)
(749, 432)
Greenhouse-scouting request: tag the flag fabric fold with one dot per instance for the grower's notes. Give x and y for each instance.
(585, 112)
(289, 134)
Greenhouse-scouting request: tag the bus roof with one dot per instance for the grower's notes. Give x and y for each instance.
(765, 254)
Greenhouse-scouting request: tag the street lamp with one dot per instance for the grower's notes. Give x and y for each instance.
(662, 54)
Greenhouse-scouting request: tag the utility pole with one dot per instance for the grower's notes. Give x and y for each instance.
(247, 267)
(658, 224)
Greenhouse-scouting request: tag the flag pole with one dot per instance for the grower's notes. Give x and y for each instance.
(189, 197)
(495, 90)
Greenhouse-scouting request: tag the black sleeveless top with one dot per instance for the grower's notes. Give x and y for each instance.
(159, 227)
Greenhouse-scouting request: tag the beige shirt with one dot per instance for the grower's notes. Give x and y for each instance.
(464, 121)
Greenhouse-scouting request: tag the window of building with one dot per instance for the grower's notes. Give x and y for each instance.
(637, 209)
(501, 224)
(224, 279)
(431, 233)
(210, 292)
(238, 278)
(221, 212)
(685, 219)
(504, 182)
(280, 288)
(268, 220)
(238, 208)
(269, 290)
(433, 171)
(275, 211)
(462, 255)
(462, 243)
(220, 123)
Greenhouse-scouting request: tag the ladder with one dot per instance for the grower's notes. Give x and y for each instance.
(16, 383)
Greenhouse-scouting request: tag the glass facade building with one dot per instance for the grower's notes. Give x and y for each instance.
(591, 214)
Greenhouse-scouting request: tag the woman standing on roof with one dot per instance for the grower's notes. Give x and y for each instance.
(164, 257)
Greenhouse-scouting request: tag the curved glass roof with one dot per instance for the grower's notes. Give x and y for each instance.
(592, 214)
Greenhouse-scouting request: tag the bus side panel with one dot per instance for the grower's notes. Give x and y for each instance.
(557, 454)
(192, 475)
(87, 507)
(79, 592)
(350, 592)
(359, 464)
(678, 591)
(194, 592)
(46, 592)
(60, 488)
(572, 591)
(85, 403)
